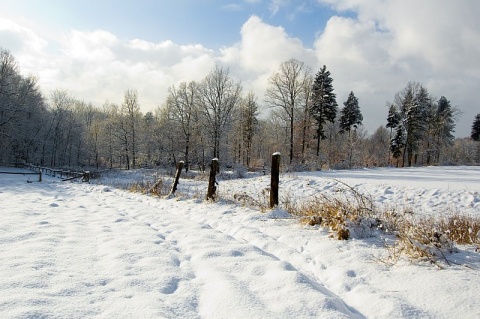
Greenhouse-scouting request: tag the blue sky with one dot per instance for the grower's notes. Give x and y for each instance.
(214, 23)
(96, 50)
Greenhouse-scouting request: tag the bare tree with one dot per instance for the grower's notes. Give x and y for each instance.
(218, 96)
(183, 104)
(131, 112)
(286, 91)
(244, 128)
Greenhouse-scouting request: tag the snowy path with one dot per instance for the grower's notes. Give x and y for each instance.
(78, 255)
(77, 250)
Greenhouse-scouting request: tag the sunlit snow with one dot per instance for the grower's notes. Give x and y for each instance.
(78, 250)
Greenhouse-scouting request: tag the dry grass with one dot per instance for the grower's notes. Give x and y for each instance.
(158, 188)
(350, 214)
(344, 217)
(258, 200)
(461, 229)
(418, 238)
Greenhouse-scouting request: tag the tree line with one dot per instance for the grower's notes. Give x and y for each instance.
(214, 118)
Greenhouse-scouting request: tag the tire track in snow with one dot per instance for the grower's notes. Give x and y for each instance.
(79, 256)
(226, 266)
(313, 264)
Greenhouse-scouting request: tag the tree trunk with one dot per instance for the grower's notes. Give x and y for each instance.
(291, 138)
(187, 147)
(179, 167)
(318, 139)
(212, 188)
(275, 178)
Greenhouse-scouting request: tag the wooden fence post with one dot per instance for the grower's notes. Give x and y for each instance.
(275, 180)
(86, 177)
(177, 177)
(214, 169)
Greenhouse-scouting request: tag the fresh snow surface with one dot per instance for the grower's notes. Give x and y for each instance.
(77, 250)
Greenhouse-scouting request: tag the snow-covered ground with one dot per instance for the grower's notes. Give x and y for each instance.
(73, 250)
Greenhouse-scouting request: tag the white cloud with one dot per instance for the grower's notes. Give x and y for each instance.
(232, 7)
(260, 52)
(373, 52)
(98, 66)
(19, 38)
(263, 47)
(389, 42)
(275, 6)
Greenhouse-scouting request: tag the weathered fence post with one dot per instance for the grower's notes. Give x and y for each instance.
(86, 176)
(177, 177)
(275, 180)
(214, 169)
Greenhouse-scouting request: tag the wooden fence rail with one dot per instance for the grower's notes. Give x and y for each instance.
(65, 175)
(24, 173)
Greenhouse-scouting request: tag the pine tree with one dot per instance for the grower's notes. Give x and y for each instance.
(475, 135)
(350, 114)
(393, 118)
(398, 142)
(324, 104)
(350, 117)
(445, 124)
(411, 104)
(416, 103)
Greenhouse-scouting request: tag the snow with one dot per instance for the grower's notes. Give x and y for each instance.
(78, 250)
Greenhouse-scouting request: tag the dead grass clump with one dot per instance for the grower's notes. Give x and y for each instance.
(430, 239)
(258, 200)
(139, 187)
(345, 218)
(461, 229)
(421, 240)
(433, 239)
(159, 188)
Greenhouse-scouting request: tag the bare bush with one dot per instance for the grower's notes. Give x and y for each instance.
(353, 215)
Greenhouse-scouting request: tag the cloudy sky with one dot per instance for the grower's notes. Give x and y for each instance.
(97, 49)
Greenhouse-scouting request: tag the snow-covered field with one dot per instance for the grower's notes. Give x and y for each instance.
(73, 250)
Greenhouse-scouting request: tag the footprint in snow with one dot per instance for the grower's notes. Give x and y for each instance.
(170, 287)
(387, 191)
(54, 205)
(351, 273)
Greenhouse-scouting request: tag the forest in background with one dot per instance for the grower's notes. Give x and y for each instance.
(215, 118)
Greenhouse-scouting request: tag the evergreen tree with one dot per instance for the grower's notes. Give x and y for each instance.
(398, 142)
(350, 117)
(411, 104)
(416, 103)
(324, 104)
(393, 118)
(475, 135)
(429, 143)
(350, 114)
(445, 124)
